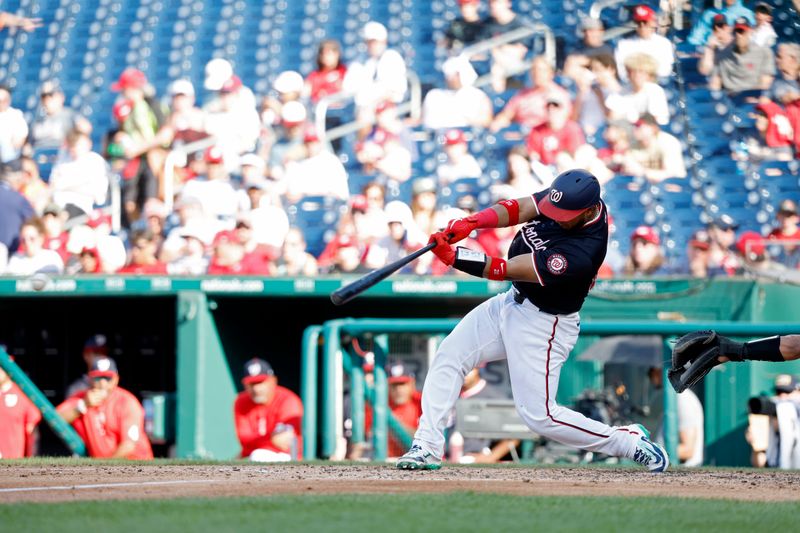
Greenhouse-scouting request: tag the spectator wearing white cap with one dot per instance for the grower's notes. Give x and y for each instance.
(218, 71)
(763, 33)
(459, 163)
(377, 76)
(192, 259)
(289, 86)
(186, 122)
(459, 105)
(214, 191)
(289, 145)
(269, 220)
(235, 125)
(646, 41)
(403, 238)
(321, 173)
(190, 215)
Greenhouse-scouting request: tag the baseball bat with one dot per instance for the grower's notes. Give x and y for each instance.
(342, 295)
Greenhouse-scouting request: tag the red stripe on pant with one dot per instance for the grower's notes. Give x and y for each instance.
(547, 389)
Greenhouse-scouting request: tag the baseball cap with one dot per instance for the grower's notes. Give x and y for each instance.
(256, 370)
(103, 367)
(52, 209)
(700, 239)
(50, 87)
(122, 110)
(154, 207)
(374, 31)
(742, 24)
(463, 2)
(399, 373)
(454, 136)
(218, 71)
(397, 211)
(751, 244)
(785, 383)
(591, 23)
(725, 222)
(787, 207)
(643, 13)
(358, 202)
(571, 193)
(422, 185)
(763, 7)
(182, 86)
(293, 113)
(288, 81)
(232, 84)
(213, 155)
(96, 344)
(252, 160)
(310, 136)
(647, 119)
(557, 98)
(647, 234)
(129, 79)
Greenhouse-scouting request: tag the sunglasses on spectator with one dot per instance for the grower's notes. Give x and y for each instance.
(642, 23)
(739, 31)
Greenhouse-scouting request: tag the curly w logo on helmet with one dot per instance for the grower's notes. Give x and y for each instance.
(555, 195)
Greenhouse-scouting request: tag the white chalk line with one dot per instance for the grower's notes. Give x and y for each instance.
(108, 485)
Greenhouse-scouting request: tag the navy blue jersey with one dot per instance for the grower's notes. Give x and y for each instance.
(566, 261)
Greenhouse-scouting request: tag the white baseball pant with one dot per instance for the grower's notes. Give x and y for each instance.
(536, 345)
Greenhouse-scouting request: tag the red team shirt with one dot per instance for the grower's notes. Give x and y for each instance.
(407, 414)
(548, 143)
(325, 83)
(103, 428)
(17, 413)
(255, 422)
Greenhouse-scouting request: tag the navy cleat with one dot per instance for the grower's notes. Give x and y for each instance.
(648, 453)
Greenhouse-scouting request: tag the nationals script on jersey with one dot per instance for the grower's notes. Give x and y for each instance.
(566, 261)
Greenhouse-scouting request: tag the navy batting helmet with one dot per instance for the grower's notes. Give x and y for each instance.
(570, 194)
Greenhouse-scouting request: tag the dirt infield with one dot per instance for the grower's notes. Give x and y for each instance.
(56, 483)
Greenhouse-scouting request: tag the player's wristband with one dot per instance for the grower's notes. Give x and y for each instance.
(81, 406)
(512, 207)
(474, 263)
(768, 349)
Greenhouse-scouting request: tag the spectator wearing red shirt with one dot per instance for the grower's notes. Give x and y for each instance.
(788, 231)
(108, 418)
(327, 79)
(18, 418)
(55, 238)
(528, 107)
(268, 417)
(405, 402)
(143, 259)
(558, 134)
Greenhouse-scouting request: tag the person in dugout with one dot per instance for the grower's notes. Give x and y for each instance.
(18, 420)
(108, 418)
(268, 417)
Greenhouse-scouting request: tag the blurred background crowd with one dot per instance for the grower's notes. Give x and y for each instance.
(274, 139)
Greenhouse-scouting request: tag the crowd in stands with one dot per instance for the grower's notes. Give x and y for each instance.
(236, 206)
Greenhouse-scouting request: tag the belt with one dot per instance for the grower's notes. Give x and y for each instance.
(519, 298)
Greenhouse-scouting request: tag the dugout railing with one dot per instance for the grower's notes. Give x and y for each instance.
(327, 357)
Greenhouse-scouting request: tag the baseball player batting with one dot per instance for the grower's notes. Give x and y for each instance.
(553, 262)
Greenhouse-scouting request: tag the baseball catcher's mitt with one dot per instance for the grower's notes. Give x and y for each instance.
(696, 353)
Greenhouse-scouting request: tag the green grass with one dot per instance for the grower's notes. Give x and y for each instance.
(458, 512)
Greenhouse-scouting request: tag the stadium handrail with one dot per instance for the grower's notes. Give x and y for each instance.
(413, 107)
(515, 35)
(176, 156)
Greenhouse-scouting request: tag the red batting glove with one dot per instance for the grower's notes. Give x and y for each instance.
(443, 251)
(459, 229)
